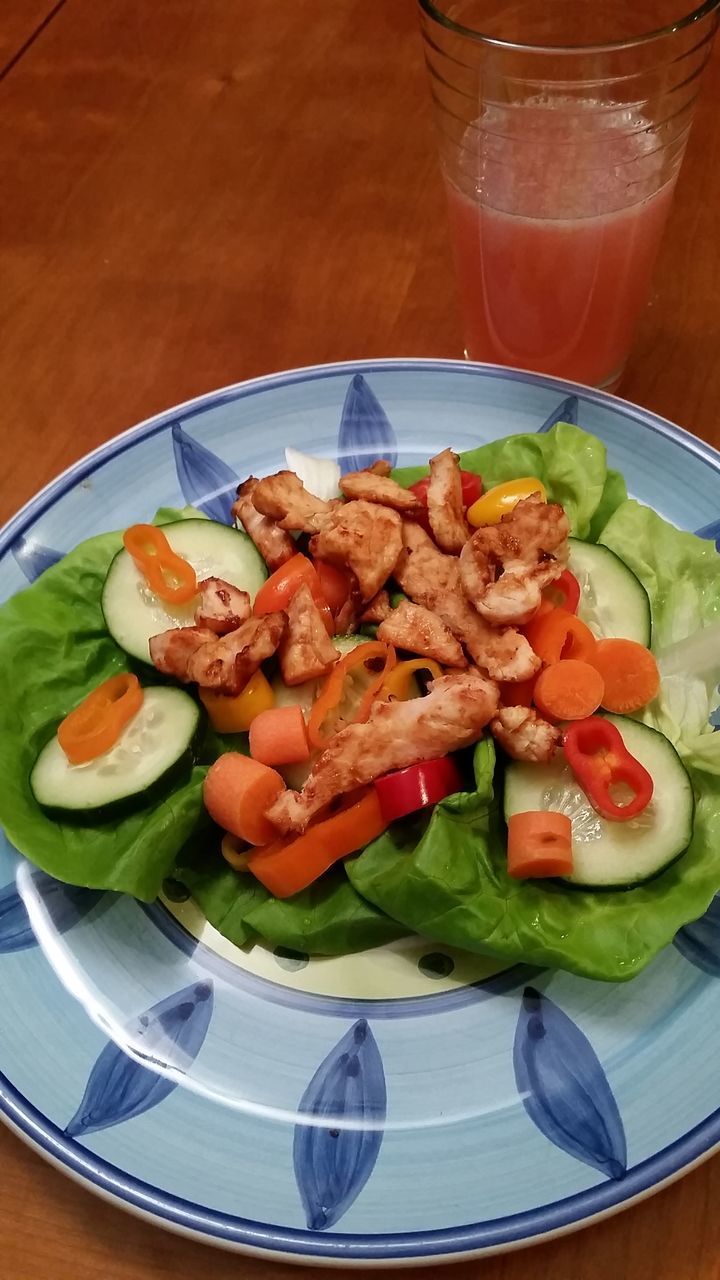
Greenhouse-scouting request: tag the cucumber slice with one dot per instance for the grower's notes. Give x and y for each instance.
(155, 741)
(612, 601)
(133, 613)
(614, 855)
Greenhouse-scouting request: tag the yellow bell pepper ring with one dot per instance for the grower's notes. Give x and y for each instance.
(236, 714)
(499, 501)
(398, 685)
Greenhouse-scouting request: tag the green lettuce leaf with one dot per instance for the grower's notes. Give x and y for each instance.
(54, 648)
(329, 918)
(681, 574)
(570, 462)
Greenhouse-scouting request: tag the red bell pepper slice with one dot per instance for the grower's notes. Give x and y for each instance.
(408, 790)
(564, 593)
(472, 488)
(598, 757)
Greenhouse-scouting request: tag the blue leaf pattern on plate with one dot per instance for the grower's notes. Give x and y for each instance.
(32, 557)
(711, 531)
(567, 411)
(365, 432)
(332, 1164)
(206, 481)
(65, 904)
(699, 942)
(565, 1090)
(170, 1035)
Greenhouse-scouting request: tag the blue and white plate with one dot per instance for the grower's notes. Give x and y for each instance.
(404, 1105)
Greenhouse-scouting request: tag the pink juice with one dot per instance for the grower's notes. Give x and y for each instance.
(556, 218)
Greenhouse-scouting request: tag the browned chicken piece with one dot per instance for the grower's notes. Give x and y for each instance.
(432, 579)
(306, 650)
(284, 498)
(524, 735)
(421, 570)
(363, 537)
(397, 734)
(504, 653)
(380, 467)
(446, 511)
(172, 650)
(378, 488)
(222, 606)
(275, 545)
(419, 631)
(505, 566)
(378, 609)
(228, 662)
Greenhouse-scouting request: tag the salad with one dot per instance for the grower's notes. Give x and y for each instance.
(445, 700)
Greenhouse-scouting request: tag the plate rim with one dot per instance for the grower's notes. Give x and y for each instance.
(298, 1245)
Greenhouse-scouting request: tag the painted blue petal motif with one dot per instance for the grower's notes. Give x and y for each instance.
(206, 481)
(169, 1035)
(365, 433)
(65, 904)
(32, 557)
(332, 1164)
(567, 411)
(711, 531)
(565, 1090)
(699, 942)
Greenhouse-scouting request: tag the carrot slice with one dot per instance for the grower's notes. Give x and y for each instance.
(630, 674)
(539, 844)
(279, 736)
(568, 690)
(292, 863)
(238, 792)
(558, 634)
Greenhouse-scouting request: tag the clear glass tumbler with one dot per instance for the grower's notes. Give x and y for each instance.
(562, 129)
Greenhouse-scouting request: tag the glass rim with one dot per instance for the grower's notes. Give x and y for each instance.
(702, 10)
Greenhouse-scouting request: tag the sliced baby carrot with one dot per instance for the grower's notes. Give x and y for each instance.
(279, 736)
(238, 792)
(568, 690)
(630, 674)
(558, 634)
(290, 864)
(539, 844)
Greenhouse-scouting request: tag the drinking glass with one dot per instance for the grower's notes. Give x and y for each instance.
(562, 126)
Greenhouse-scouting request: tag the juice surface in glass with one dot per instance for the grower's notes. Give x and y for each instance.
(556, 216)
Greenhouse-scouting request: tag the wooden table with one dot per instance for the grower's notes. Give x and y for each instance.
(198, 191)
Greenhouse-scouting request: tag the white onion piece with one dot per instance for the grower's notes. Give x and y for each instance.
(321, 476)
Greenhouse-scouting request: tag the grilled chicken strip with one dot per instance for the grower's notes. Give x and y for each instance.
(284, 498)
(222, 606)
(505, 566)
(397, 734)
(227, 663)
(378, 488)
(419, 631)
(445, 505)
(275, 546)
(524, 735)
(172, 650)
(363, 537)
(378, 609)
(306, 650)
(432, 579)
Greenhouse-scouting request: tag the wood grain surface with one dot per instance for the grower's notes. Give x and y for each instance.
(198, 191)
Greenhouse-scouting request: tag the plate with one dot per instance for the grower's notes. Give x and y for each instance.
(363, 1110)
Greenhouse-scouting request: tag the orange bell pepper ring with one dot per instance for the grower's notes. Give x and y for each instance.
(332, 691)
(97, 723)
(292, 863)
(558, 634)
(166, 573)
